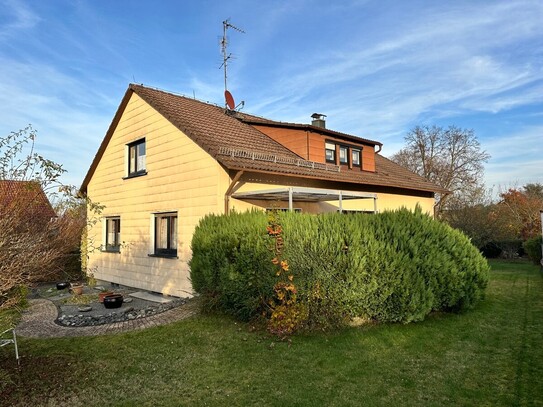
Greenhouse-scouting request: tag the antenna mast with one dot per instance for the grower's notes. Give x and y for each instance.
(224, 43)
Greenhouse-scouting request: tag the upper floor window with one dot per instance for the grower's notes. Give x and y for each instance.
(136, 158)
(356, 157)
(113, 234)
(330, 152)
(166, 234)
(343, 155)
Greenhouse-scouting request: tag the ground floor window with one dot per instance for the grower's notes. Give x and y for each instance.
(297, 210)
(113, 234)
(353, 211)
(166, 234)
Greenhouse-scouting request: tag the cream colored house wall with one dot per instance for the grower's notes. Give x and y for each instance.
(181, 178)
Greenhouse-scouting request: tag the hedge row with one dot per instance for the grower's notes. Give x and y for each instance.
(395, 266)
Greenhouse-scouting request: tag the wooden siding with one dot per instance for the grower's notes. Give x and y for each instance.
(295, 140)
(368, 158)
(311, 146)
(181, 177)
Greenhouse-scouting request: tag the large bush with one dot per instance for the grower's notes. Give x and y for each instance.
(533, 249)
(395, 266)
(230, 262)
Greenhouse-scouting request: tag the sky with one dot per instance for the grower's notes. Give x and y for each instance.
(376, 68)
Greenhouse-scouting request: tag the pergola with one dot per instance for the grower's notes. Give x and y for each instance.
(304, 194)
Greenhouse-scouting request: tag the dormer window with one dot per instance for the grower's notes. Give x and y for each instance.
(136, 158)
(330, 153)
(356, 157)
(343, 155)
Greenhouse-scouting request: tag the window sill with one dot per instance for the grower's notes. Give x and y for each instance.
(164, 256)
(136, 175)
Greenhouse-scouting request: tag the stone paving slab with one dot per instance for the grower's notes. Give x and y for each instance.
(150, 297)
(38, 321)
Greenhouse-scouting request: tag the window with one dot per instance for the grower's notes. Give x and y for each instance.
(330, 152)
(356, 211)
(343, 155)
(356, 157)
(113, 234)
(136, 158)
(166, 234)
(296, 210)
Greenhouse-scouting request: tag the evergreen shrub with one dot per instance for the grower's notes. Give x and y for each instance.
(395, 266)
(230, 263)
(533, 249)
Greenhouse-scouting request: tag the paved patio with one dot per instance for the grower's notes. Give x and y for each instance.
(38, 321)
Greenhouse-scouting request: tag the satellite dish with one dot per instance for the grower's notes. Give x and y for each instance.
(229, 100)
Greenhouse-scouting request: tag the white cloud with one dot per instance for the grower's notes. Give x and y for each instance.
(17, 17)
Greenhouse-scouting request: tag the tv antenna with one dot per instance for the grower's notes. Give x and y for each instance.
(225, 55)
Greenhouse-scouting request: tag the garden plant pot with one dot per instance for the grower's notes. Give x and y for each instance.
(77, 289)
(113, 301)
(102, 295)
(62, 286)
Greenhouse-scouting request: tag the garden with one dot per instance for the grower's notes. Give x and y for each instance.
(491, 355)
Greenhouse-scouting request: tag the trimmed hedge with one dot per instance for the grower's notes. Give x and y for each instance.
(394, 266)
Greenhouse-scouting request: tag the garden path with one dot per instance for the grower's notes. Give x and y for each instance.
(38, 321)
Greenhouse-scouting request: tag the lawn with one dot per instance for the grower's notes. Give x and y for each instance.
(490, 356)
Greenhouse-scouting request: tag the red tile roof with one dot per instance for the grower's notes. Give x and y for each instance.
(232, 141)
(26, 193)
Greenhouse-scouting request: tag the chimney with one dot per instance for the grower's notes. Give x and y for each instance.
(318, 120)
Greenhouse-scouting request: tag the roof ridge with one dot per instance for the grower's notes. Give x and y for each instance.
(172, 93)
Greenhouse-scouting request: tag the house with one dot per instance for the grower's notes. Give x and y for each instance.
(25, 201)
(167, 160)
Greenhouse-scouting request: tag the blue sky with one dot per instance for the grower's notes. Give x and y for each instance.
(375, 68)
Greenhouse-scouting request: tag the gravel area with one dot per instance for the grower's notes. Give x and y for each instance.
(85, 310)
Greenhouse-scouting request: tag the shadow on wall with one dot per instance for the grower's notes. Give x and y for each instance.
(132, 266)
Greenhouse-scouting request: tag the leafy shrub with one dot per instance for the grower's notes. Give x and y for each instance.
(533, 249)
(395, 266)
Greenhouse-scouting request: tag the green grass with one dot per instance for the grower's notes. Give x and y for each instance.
(490, 356)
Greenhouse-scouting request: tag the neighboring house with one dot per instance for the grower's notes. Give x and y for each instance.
(166, 161)
(25, 201)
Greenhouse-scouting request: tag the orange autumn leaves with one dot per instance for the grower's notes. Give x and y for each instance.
(287, 315)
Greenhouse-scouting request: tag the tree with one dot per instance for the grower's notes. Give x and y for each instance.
(451, 158)
(33, 246)
(473, 216)
(519, 212)
(533, 190)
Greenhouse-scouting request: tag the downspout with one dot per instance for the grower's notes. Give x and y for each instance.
(228, 192)
(380, 148)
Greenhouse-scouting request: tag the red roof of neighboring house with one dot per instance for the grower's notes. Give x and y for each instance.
(27, 193)
(230, 138)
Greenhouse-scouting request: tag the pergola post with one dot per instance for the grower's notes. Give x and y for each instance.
(340, 202)
(290, 199)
